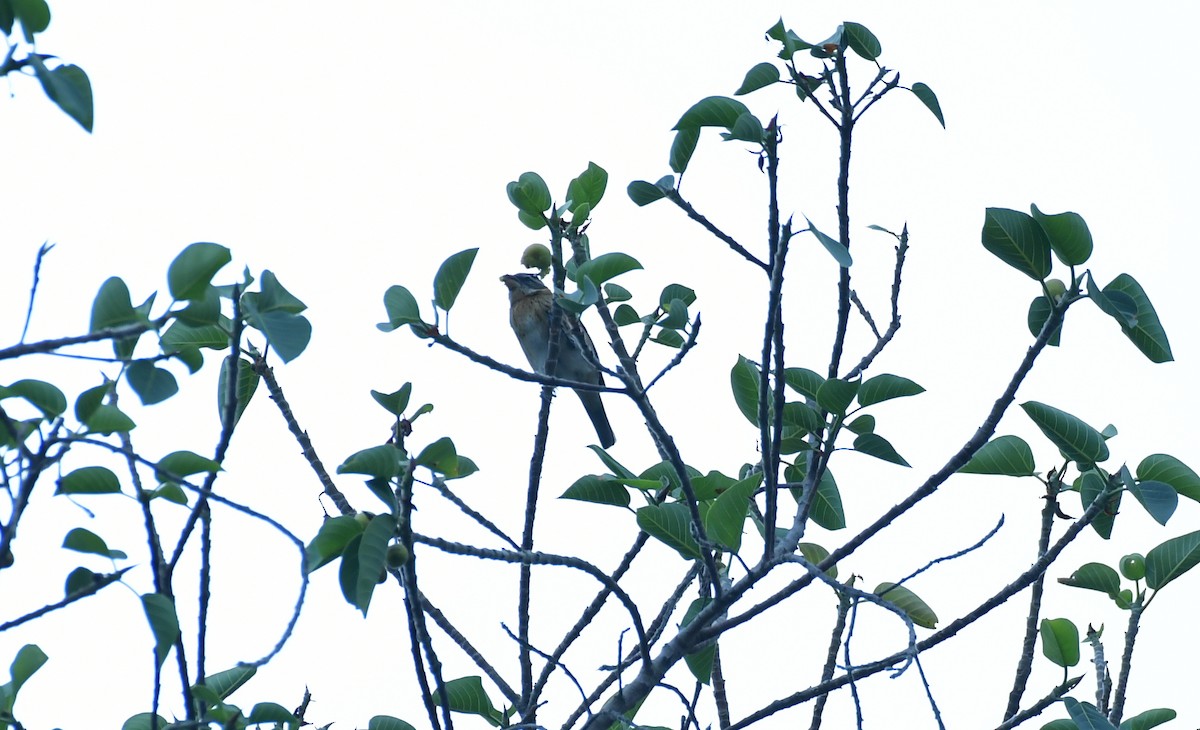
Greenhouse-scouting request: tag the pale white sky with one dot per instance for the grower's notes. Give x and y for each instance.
(351, 150)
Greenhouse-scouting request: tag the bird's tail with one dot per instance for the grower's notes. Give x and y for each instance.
(595, 410)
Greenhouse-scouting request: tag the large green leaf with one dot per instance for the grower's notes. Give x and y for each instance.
(1171, 559)
(713, 111)
(744, 379)
(930, 100)
(1086, 716)
(886, 387)
(1094, 577)
(1148, 719)
(1169, 470)
(644, 193)
(25, 664)
(164, 624)
(836, 395)
(1003, 455)
(1148, 334)
(530, 194)
(682, 149)
(247, 383)
(377, 462)
(85, 541)
(803, 381)
(700, 663)
(151, 383)
(833, 246)
(872, 444)
(190, 275)
(1017, 240)
(44, 396)
(401, 308)
(763, 74)
(671, 524)
(467, 695)
(908, 602)
(89, 480)
(1078, 441)
(451, 276)
(605, 267)
(67, 86)
(1068, 234)
(1091, 485)
(387, 722)
(331, 540)
(827, 510)
(1040, 310)
(861, 41)
(1060, 641)
(1158, 498)
(599, 489)
(588, 188)
(725, 519)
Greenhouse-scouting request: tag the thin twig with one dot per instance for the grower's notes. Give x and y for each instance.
(692, 213)
(37, 268)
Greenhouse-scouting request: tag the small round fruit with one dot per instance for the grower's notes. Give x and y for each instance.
(1057, 288)
(363, 519)
(397, 556)
(1133, 566)
(536, 256)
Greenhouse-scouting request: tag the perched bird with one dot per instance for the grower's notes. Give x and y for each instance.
(530, 303)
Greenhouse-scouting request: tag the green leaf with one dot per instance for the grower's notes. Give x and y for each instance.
(89, 400)
(180, 336)
(700, 662)
(33, 14)
(378, 462)
(85, 541)
(1039, 312)
(160, 612)
(530, 194)
(762, 75)
(875, 445)
(1120, 306)
(827, 510)
(886, 387)
(401, 307)
(89, 480)
(440, 456)
(835, 248)
(1068, 234)
(598, 489)
(1094, 577)
(908, 602)
(1085, 715)
(1171, 559)
(372, 559)
(287, 333)
(860, 425)
(1148, 719)
(861, 41)
(1092, 484)
(108, 419)
(1078, 441)
(713, 111)
(930, 100)
(67, 86)
(41, 395)
(682, 149)
(791, 42)
(726, 518)
(331, 540)
(587, 189)
(1148, 334)
(467, 695)
(671, 524)
(247, 383)
(202, 311)
(676, 317)
(1017, 240)
(803, 381)
(1159, 499)
(394, 403)
(1003, 455)
(1168, 469)
(816, 555)
(450, 277)
(190, 275)
(224, 683)
(836, 395)
(387, 722)
(605, 267)
(25, 664)
(744, 380)
(185, 463)
(151, 383)
(643, 193)
(806, 418)
(265, 712)
(1060, 641)
(112, 306)
(747, 128)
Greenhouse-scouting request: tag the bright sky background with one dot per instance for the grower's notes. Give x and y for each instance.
(353, 150)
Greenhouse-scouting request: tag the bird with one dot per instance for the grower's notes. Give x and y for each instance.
(530, 304)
